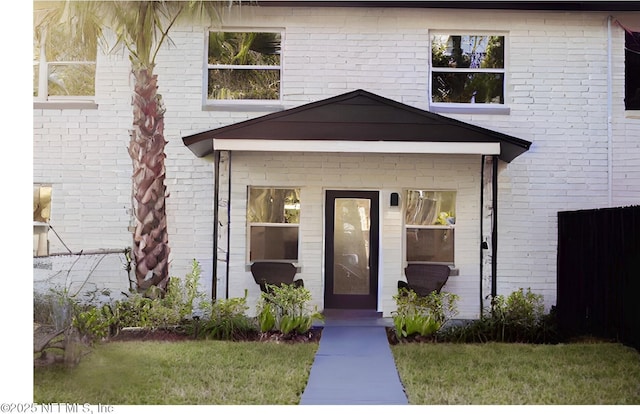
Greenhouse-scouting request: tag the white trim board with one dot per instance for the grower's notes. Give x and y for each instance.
(483, 148)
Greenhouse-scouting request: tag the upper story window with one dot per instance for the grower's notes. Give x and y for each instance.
(244, 66)
(430, 218)
(41, 216)
(63, 70)
(467, 71)
(632, 70)
(273, 218)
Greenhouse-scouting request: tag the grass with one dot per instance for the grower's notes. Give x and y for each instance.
(246, 373)
(176, 373)
(495, 373)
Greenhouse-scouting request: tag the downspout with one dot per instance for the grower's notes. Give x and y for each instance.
(481, 230)
(228, 228)
(216, 225)
(494, 230)
(609, 113)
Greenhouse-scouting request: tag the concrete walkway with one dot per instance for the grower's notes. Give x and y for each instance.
(354, 364)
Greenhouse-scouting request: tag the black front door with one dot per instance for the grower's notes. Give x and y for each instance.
(351, 250)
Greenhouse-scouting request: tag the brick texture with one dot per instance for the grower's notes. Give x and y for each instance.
(556, 94)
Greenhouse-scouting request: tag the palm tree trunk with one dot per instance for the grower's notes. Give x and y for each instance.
(151, 247)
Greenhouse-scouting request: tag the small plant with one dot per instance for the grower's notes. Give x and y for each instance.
(285, 309)
(94, 323)
(422, 315)
(225, 319)
(267, 317)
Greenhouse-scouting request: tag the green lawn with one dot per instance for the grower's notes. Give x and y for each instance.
(175, 373)
(479, 374)
(241, 373)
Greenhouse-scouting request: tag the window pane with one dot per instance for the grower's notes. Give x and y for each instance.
(244, 48)
(351, 246)
(60, 47)
(468, 51)
(41, 203)
(457, 87)
(243, 84)
(41, 216)
(273, 243)
(430, 245)
(36, 79)
(74, 79)
(426, 208)
(273, 205)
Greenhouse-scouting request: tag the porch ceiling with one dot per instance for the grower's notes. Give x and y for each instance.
(357, 121)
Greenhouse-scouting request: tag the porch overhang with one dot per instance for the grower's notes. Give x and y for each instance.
(357, 121)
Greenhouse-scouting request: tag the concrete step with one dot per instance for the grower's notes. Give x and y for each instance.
(351, 313)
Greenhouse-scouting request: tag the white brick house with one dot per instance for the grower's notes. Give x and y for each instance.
(561, 87)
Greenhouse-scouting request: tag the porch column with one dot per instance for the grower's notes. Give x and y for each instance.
(488, 224)
(221, 217)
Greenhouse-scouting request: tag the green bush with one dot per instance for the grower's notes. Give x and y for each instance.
(154, 310)
(225, 319)
(93, 323)
(519, 317)
(285, 309)
(422, 315)
(42, 309)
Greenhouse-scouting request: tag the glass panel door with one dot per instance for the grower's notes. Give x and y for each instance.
(351, 228)
(351, 259)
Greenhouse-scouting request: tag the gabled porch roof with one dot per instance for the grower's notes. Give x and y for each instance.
(357, 121)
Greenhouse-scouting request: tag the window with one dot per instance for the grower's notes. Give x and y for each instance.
(467, 70)
(62, 69)
(632, 70)
(430, 218)
(273, 217)
(244, 66)
(41, 216)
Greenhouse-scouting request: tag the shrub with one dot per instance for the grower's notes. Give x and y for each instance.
(93, 323)
(422, 315)
(154, 310)
(519, 317)
(285, 309)
(42, 309)
(225, 319)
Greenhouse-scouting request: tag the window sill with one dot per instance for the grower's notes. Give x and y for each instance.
(247, 266)
(476, 109)
(454, 271)
(632, 114)
(243, 107)
(65, 105)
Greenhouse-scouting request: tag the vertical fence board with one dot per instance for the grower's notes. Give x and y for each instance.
(599, 273)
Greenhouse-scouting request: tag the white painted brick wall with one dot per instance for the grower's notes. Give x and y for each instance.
(393, 173)
(556, 92)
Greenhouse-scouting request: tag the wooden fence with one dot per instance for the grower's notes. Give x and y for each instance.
(599, 274)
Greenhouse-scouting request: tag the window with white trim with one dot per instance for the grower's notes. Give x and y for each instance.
(273, 219)
(63, 70)
(244, 66)
(41, 216)
(430, 218)
(467, 70)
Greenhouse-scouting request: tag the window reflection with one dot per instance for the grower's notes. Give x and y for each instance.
(273, 217)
